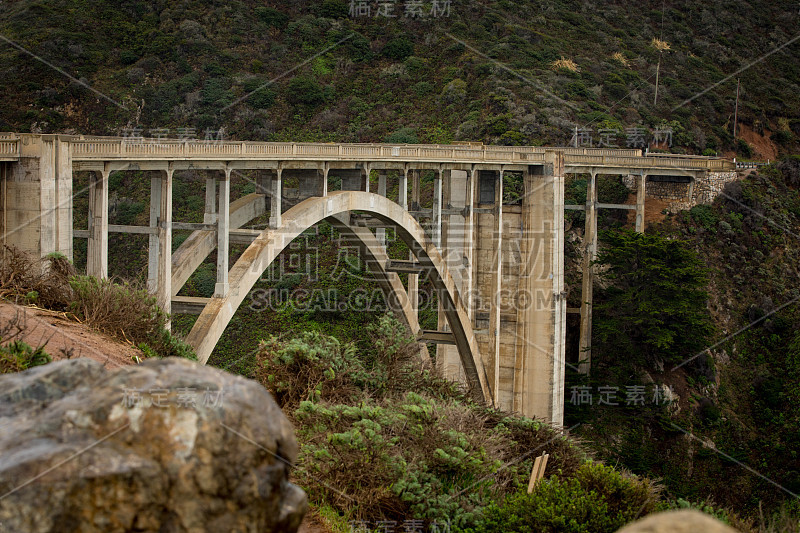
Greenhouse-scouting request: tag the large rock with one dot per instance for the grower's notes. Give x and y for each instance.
(683, 521)
(167, 446)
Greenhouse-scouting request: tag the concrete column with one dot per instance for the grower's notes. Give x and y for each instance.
(640, 196)
(164, 292)
(497, 285)
(413, 279)
(402, 189)
(97, 248)
(544, 319)
(325, 180)
(210, 215)
(223, 229)
(365, 174)
(275, 205)
(590, 254)
(153, 245)
(380, 233)
(436, 222)
(470, 223)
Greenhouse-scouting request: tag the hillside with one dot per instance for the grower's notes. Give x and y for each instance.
(478, 71)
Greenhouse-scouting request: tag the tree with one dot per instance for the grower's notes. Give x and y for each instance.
(654, 310)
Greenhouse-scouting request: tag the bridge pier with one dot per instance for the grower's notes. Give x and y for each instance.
(97, 247)
(587, 286)
(223, 234)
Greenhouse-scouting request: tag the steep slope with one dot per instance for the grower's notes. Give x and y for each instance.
(478, 71)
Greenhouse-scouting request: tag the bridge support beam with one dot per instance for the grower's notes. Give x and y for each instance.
(640, 199)
(380, 233)
(587, 288)
(413, 279)
(223, 237)
(210, 214)
(495, 300)
(275, 200)
(164, 289)
(97, 247)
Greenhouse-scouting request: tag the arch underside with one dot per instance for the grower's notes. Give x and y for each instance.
(336, 209)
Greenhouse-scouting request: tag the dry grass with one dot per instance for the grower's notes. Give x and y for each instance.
(565, 64)
(660, 45)
(620, 58)
(44, 282)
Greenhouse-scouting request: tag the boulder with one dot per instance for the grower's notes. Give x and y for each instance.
(168, 445)
(682, 521)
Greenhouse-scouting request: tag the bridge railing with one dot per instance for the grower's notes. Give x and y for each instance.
(113, 148)
(9, 145)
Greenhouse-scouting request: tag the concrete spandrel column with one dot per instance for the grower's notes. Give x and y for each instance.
(365, 178)
(497, 282)
(275, 203)
(436, 222)
(164, 292)
(402, 189)
(590, 254)
(380, 233)
(223, 228)
(153, 238)
(97, 247)
(545, 316)
(325, 172)
(413, 279)
(210, 214)
(640, 199)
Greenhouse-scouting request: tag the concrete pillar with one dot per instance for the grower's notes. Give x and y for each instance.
(325, 180)
(402, 189)
(545, 318)
(380, 233)
(275, 205)
(164, 292)
(640, 196)
(590, 254)
(37, 196)
(153, 245)
(365, 173)
(470, 223)
(97, 247)
(223, 229)
(210, 215)
(436, 216)
(497, 285)
(413, 279)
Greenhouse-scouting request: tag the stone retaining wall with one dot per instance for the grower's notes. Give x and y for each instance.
(685, 195)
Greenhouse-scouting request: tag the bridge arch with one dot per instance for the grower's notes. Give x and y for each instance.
(335, 207)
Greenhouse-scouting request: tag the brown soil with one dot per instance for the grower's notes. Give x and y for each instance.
(63, 338)
(312, 524)
(763, 147)
(653, 210)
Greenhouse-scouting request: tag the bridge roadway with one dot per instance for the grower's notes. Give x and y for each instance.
(498, 270)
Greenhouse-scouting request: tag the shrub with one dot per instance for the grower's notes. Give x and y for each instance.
(398, 48)
(21, 275)
(598, 499)
(402, 136)
(271, 17)
(305, 91)
(18, 356)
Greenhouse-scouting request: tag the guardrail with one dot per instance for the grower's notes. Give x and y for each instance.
(750, 164)
(94, 148)
(9, 147)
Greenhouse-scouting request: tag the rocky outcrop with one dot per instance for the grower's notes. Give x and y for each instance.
(683, 521)
(168, 445)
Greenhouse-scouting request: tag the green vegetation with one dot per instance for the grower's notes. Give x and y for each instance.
(383, 438)
(496, 71)
(734, 265)
(17, 356)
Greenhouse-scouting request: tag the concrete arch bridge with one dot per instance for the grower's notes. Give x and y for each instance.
(498, 269)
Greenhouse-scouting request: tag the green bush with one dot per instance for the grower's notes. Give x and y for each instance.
(398, 48)
(598, 499)
(402, 136)
(271, 17)
(305, 91)
(18, 356)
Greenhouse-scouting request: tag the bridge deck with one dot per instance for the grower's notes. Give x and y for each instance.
(96, 149)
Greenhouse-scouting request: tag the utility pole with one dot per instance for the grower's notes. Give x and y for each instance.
(736, 110)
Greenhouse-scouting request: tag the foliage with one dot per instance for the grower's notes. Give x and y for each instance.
(654, 310)
(397, 440)
(17, 356)
(398, 48)
(597, 499)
